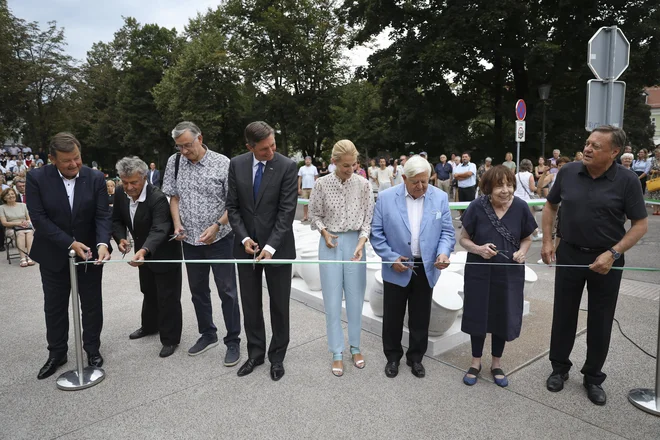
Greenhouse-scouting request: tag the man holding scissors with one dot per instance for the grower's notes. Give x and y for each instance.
(196, 181)
(68, 205)
(145, 212)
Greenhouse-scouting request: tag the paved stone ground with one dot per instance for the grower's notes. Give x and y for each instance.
(183, 397)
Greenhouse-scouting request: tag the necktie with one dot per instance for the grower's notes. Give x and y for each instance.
(257, 180)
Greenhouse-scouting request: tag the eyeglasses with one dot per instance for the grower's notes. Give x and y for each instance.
(186, 146)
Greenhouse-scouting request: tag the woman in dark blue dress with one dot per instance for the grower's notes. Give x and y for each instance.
(497, 228)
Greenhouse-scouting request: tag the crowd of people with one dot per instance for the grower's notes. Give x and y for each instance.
(211, 207)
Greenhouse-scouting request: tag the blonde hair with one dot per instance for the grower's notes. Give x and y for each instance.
(343, 148)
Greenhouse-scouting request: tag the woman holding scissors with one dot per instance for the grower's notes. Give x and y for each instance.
(497, 228)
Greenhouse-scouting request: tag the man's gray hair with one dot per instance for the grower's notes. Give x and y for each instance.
(184, 126)
(130, 165)
(256, 132)
(416, 165)
(526, 165)
(557, 150)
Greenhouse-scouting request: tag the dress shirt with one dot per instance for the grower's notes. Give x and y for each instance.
(133, 205)
(70, 186)
(415, 208)
(255, 166)
(470, 181)
(342, 206)
(643, 166)
(443, 171)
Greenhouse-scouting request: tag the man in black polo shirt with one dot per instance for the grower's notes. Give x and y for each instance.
(597, 195)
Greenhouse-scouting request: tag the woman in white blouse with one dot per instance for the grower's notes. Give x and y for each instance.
(341, 208)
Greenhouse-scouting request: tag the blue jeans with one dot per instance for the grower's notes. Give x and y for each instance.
(338, 280)
(225, 280)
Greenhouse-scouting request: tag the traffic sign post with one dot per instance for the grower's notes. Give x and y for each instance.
(521, 113)
(608, 56)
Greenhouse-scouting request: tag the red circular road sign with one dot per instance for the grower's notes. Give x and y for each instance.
(521, 110)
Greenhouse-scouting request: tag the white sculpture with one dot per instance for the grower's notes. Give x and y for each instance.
(376, 294)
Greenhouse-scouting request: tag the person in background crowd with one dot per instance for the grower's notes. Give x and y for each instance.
(15, 218)
(38, 161)
(342, 209)
(466, 175)
(525, 187)
(143, 210)
(593, 237)
(443, 173)
(626, 160)
(578, 157)
(556, 154)
(412, 226)
(154, 175)
(654, 173)
(509, 163)
(397, 172)
(424, 155)
(307, 175)
(111, 191)
(487, 165)
(261, 206)
(496, 227)
(28, 160)
(548, 178)
(19, 167)
(19, 186)
(540, 168)
(323, 170)
(402, 160)
(373, 176)
(384, 176)
(357, 169)
(642, 166)
(626, 149)
(332, 167)
(198, 198)
(68, 207)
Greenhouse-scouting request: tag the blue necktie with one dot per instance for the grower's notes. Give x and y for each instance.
(257, 180)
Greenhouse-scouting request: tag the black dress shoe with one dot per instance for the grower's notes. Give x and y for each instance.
(596, 393)
(417, 368)
(391, 369)
(95, 360)
(50, 367)
(167, 350)
(276, 371)
(140, 333)
(249, 366)
(556, 382)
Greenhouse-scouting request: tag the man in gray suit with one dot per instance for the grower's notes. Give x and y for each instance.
(261, 204)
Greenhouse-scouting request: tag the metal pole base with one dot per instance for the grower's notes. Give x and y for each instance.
(69, 381)
(645, 399)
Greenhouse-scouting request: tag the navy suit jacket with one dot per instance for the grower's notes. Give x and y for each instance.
(56, 224)
(156, 178)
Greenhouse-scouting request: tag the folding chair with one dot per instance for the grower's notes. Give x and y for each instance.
(11, 248)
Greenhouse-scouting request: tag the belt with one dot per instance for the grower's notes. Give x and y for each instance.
(586, 249)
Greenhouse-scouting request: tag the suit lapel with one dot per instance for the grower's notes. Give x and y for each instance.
(269, 170)
(428, 210)
(58, 185)
(401, 204)
(247, 172)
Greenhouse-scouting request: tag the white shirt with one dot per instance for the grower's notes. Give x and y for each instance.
(399, 175)
(151, 176)
(470, 181)
(331, 168)
(415, 209)
(70, 186)
(523, 191)
(255, 167)
(133, 205)
(384, 177)
(307, 173)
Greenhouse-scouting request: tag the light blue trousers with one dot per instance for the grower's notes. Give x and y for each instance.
(338, 280)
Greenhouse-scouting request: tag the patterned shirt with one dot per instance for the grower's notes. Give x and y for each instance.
(342, 206)
(202, 190)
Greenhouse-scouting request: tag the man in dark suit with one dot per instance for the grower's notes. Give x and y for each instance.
(263, 191)
(144, 210)
(19, 184)
(68, 205)
(154, 175)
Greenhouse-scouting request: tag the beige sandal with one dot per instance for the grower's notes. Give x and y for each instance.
(358, 360)
(338, 368)
(24, 263)
(30, 262)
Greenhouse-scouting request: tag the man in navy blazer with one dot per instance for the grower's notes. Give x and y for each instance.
(413, 233)
(68, 205)
(153, 176)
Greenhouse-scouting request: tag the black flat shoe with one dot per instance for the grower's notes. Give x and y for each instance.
(95, 360)
(249, 366)
(417, 369)
(556, 381)
(276, 371)
(596, 393)
(167, 350)
(391, 369)
(50, 367)
(140, 333)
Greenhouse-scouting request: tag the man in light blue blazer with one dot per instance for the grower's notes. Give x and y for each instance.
(413, 233)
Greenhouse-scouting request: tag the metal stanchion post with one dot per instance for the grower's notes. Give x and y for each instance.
(82, 377)
(647, 399)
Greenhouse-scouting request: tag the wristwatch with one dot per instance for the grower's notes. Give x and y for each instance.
(616, 255)
(218, 223)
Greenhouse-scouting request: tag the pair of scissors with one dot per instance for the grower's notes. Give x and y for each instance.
(174, 236)
(88, 255)
(127, 250)
(499, 252)
(411, 266)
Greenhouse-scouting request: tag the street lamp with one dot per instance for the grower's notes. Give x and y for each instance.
(544, 93)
